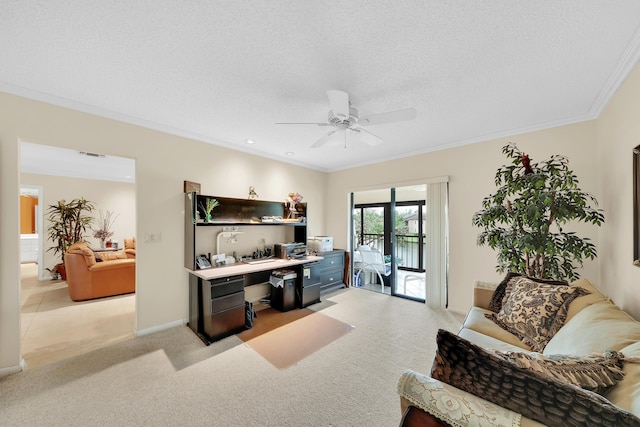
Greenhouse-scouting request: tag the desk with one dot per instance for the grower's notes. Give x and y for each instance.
(216, 295)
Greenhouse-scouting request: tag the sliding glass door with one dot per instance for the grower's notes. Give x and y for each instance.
(408, 226)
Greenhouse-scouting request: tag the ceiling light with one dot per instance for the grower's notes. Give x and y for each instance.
(249, 141)
(289, 153)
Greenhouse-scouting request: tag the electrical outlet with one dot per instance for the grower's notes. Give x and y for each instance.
(152, 237)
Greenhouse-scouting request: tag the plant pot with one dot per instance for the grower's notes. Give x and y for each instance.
(61, 271)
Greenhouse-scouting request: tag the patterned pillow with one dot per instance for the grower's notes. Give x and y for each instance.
(498, 297)
(466, 366)
(534, 311)
(595, 373)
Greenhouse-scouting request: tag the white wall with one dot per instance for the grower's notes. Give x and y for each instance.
(118, 197)
(163, 163)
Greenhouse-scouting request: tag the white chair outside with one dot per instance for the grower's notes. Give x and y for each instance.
(373, 262)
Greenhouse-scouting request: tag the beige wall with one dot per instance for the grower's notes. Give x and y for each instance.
(618, 134)
(163, 162)
(471, 170)
(118, 197)
(599, 153)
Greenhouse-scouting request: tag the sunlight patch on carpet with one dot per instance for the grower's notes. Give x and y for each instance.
(287, 345)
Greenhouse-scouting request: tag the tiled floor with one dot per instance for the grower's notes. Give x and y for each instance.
(54, 327)
(415, 285)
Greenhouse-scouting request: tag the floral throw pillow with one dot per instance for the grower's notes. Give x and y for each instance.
(498, 297)
(534, 311)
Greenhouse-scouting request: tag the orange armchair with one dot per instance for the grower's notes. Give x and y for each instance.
(88, 279)
(130, 247)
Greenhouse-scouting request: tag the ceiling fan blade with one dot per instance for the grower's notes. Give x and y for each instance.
(339, 102)
(389, 117)
(317, 124)
(367, 137)
(323, 140)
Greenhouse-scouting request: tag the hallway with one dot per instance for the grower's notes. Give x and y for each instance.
(54, 327)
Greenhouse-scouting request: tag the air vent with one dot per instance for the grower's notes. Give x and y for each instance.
(84, 153)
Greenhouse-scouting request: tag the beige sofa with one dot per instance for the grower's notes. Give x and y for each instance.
(594, 324)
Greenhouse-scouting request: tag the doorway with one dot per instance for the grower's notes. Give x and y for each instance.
(408, 225)
(53, 326)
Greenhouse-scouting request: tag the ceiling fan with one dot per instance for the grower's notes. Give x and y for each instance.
(344, 118)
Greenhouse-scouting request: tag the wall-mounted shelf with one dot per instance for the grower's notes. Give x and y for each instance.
(219, 223)
(237, 212)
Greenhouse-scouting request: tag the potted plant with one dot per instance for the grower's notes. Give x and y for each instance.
(524, 219)
(103, 229)
(67, 224)
(208, 207)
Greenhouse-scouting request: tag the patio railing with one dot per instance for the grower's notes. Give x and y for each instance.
(407, 247)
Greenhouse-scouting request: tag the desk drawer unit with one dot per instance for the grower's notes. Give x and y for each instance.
(331, 270)
(223, 306)
(308, 289)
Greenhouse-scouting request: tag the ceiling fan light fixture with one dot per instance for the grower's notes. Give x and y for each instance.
(344, 117)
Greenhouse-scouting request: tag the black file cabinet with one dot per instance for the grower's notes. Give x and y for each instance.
(216, 307)
(309, 283)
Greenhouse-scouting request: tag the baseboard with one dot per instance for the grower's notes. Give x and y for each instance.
(5, 372)
(147, 331)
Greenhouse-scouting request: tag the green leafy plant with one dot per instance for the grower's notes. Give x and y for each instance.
(67, 223)
(208, 207)
(524, 219)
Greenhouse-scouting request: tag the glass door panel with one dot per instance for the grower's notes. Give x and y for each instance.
(409, 245)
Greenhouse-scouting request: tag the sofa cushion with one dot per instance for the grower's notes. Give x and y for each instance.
(626, 394)
(577, 305)
(597, 328)
(110, 256)
(499, 295)
(468, 367)
(477, 320)
(491, 343)
(534, 311)
(596, 372)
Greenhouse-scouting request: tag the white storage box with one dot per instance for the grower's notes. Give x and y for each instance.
(320, 243)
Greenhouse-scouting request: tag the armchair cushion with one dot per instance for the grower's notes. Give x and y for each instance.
(468, 367)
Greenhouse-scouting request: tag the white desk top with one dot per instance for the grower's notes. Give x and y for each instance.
(241, 268)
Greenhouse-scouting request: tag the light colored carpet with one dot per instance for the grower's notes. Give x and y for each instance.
(287, 345)
(171, 378)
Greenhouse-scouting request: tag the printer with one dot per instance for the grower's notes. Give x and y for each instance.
(290, 250)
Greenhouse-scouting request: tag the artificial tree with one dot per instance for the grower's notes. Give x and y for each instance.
(524, 219)
(67, 224)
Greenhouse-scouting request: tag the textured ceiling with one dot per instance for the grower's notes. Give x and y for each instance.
(226, 71)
